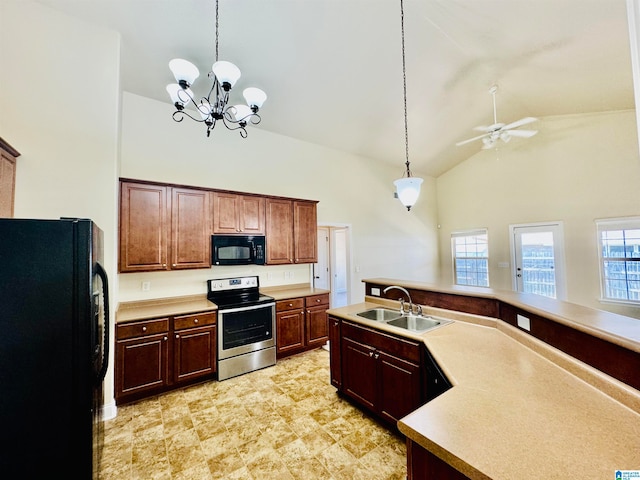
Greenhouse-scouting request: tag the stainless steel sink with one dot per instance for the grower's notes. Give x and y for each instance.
(417, 324)
(379, 314)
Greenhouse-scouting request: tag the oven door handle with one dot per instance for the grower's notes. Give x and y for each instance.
(244, 309)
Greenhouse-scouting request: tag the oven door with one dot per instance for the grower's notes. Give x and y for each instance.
(246, 329)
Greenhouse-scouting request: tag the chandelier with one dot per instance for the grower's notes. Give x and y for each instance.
(215, 106)
(407, 188)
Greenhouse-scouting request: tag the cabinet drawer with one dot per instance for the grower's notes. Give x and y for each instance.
(139, 329)
(315, 300)
(291, 304)
(194, 320)
(398, 346)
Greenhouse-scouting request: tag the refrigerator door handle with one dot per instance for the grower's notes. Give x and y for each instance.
(105, 293)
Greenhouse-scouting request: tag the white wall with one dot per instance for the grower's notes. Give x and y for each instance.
(577, 169)
(386, 239)
(59, 106)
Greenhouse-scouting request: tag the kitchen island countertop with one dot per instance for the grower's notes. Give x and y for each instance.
(515, 410)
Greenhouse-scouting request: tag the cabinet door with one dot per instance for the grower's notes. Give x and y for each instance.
(317, 326)
(190, 234)
(279, 220)
(251, 211)
(305, 232)
(359, 373)
(225, 213)
(141, 364)
(334, 350)
(144, 227)
(194, 353)
(399, 386)
(289, 331)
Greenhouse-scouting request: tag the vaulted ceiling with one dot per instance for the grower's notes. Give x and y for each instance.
(332, 69)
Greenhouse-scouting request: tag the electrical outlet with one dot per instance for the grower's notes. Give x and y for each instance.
(375, 291)
(270, 276)
(146, 286)
(291, 275)
(524, 322)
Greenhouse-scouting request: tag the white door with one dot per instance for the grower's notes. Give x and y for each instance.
(539, 259)
(321, 277)
(332, 270)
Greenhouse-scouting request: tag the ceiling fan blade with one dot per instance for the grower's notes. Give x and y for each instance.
(522, 133)
(518, 123)
(469, 140)
(490, 128)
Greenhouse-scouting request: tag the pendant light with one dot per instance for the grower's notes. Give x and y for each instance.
(407, 188)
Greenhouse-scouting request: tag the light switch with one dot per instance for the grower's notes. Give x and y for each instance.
(375, 291)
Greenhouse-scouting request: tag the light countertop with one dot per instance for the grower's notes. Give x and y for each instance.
(515, 410)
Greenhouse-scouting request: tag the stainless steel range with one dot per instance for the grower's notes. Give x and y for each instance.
(246, 325)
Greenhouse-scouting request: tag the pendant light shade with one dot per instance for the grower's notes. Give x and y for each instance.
(226, 73)
(184, 71)
(408, 190)
(254, 97)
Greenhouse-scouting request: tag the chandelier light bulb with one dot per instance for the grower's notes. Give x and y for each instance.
(185, 72)
(226, 73)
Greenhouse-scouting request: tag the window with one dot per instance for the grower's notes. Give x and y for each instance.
(470, 258)
(619, 245)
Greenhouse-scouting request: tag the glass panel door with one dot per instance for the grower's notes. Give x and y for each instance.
(538, 260)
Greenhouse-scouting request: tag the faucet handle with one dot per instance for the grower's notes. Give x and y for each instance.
(401, 305)
(419, 310)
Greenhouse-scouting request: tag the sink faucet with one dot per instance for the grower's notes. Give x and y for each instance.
(401, 299)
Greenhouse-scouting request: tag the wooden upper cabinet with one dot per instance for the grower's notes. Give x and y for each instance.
(279, 219)
(191, 241)
(8, 156)
(233, 213)
(163, 228)
(305, 230)
(144, 227)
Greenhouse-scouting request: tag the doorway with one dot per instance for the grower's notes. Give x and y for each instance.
(332, 270)
(538, 259)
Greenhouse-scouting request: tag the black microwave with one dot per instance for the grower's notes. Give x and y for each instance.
(237, 250)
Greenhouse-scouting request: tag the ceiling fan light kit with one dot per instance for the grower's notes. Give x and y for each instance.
(407, 188)
(215, 106)
(500, 131)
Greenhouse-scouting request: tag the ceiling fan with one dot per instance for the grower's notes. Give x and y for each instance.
(500, 131)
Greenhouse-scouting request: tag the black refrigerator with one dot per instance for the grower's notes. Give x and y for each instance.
(54, 320)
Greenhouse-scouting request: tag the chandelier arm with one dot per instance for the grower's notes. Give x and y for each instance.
(179, 115)
(235, 125)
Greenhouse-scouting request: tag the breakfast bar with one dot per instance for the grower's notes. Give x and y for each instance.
(518, 407)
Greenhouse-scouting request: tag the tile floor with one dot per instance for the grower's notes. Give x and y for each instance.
(283, 422)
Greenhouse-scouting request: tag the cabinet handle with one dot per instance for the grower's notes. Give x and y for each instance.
(336, 323)
(371, 354)
(376, 356)
(144, 329)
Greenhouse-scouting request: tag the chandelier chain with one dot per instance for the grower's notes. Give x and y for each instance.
(404, 84)
(217, 35)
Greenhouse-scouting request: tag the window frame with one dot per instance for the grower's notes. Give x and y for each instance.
(611, 224)
(468, 233)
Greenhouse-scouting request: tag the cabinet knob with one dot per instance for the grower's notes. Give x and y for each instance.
(195, 320)
(376, 356)
(164, 264)
(317, 300)
(371, 354)
(174, 265)
(164, 338)
(177, 336)
(336, 323)
(291, 304)
(144, 329)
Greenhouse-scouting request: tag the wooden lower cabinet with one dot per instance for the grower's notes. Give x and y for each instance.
(381, 372)
(335, 360)
(142, 353)
(194, 346)
(301, 324)
(422, 464)
(153, 356)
